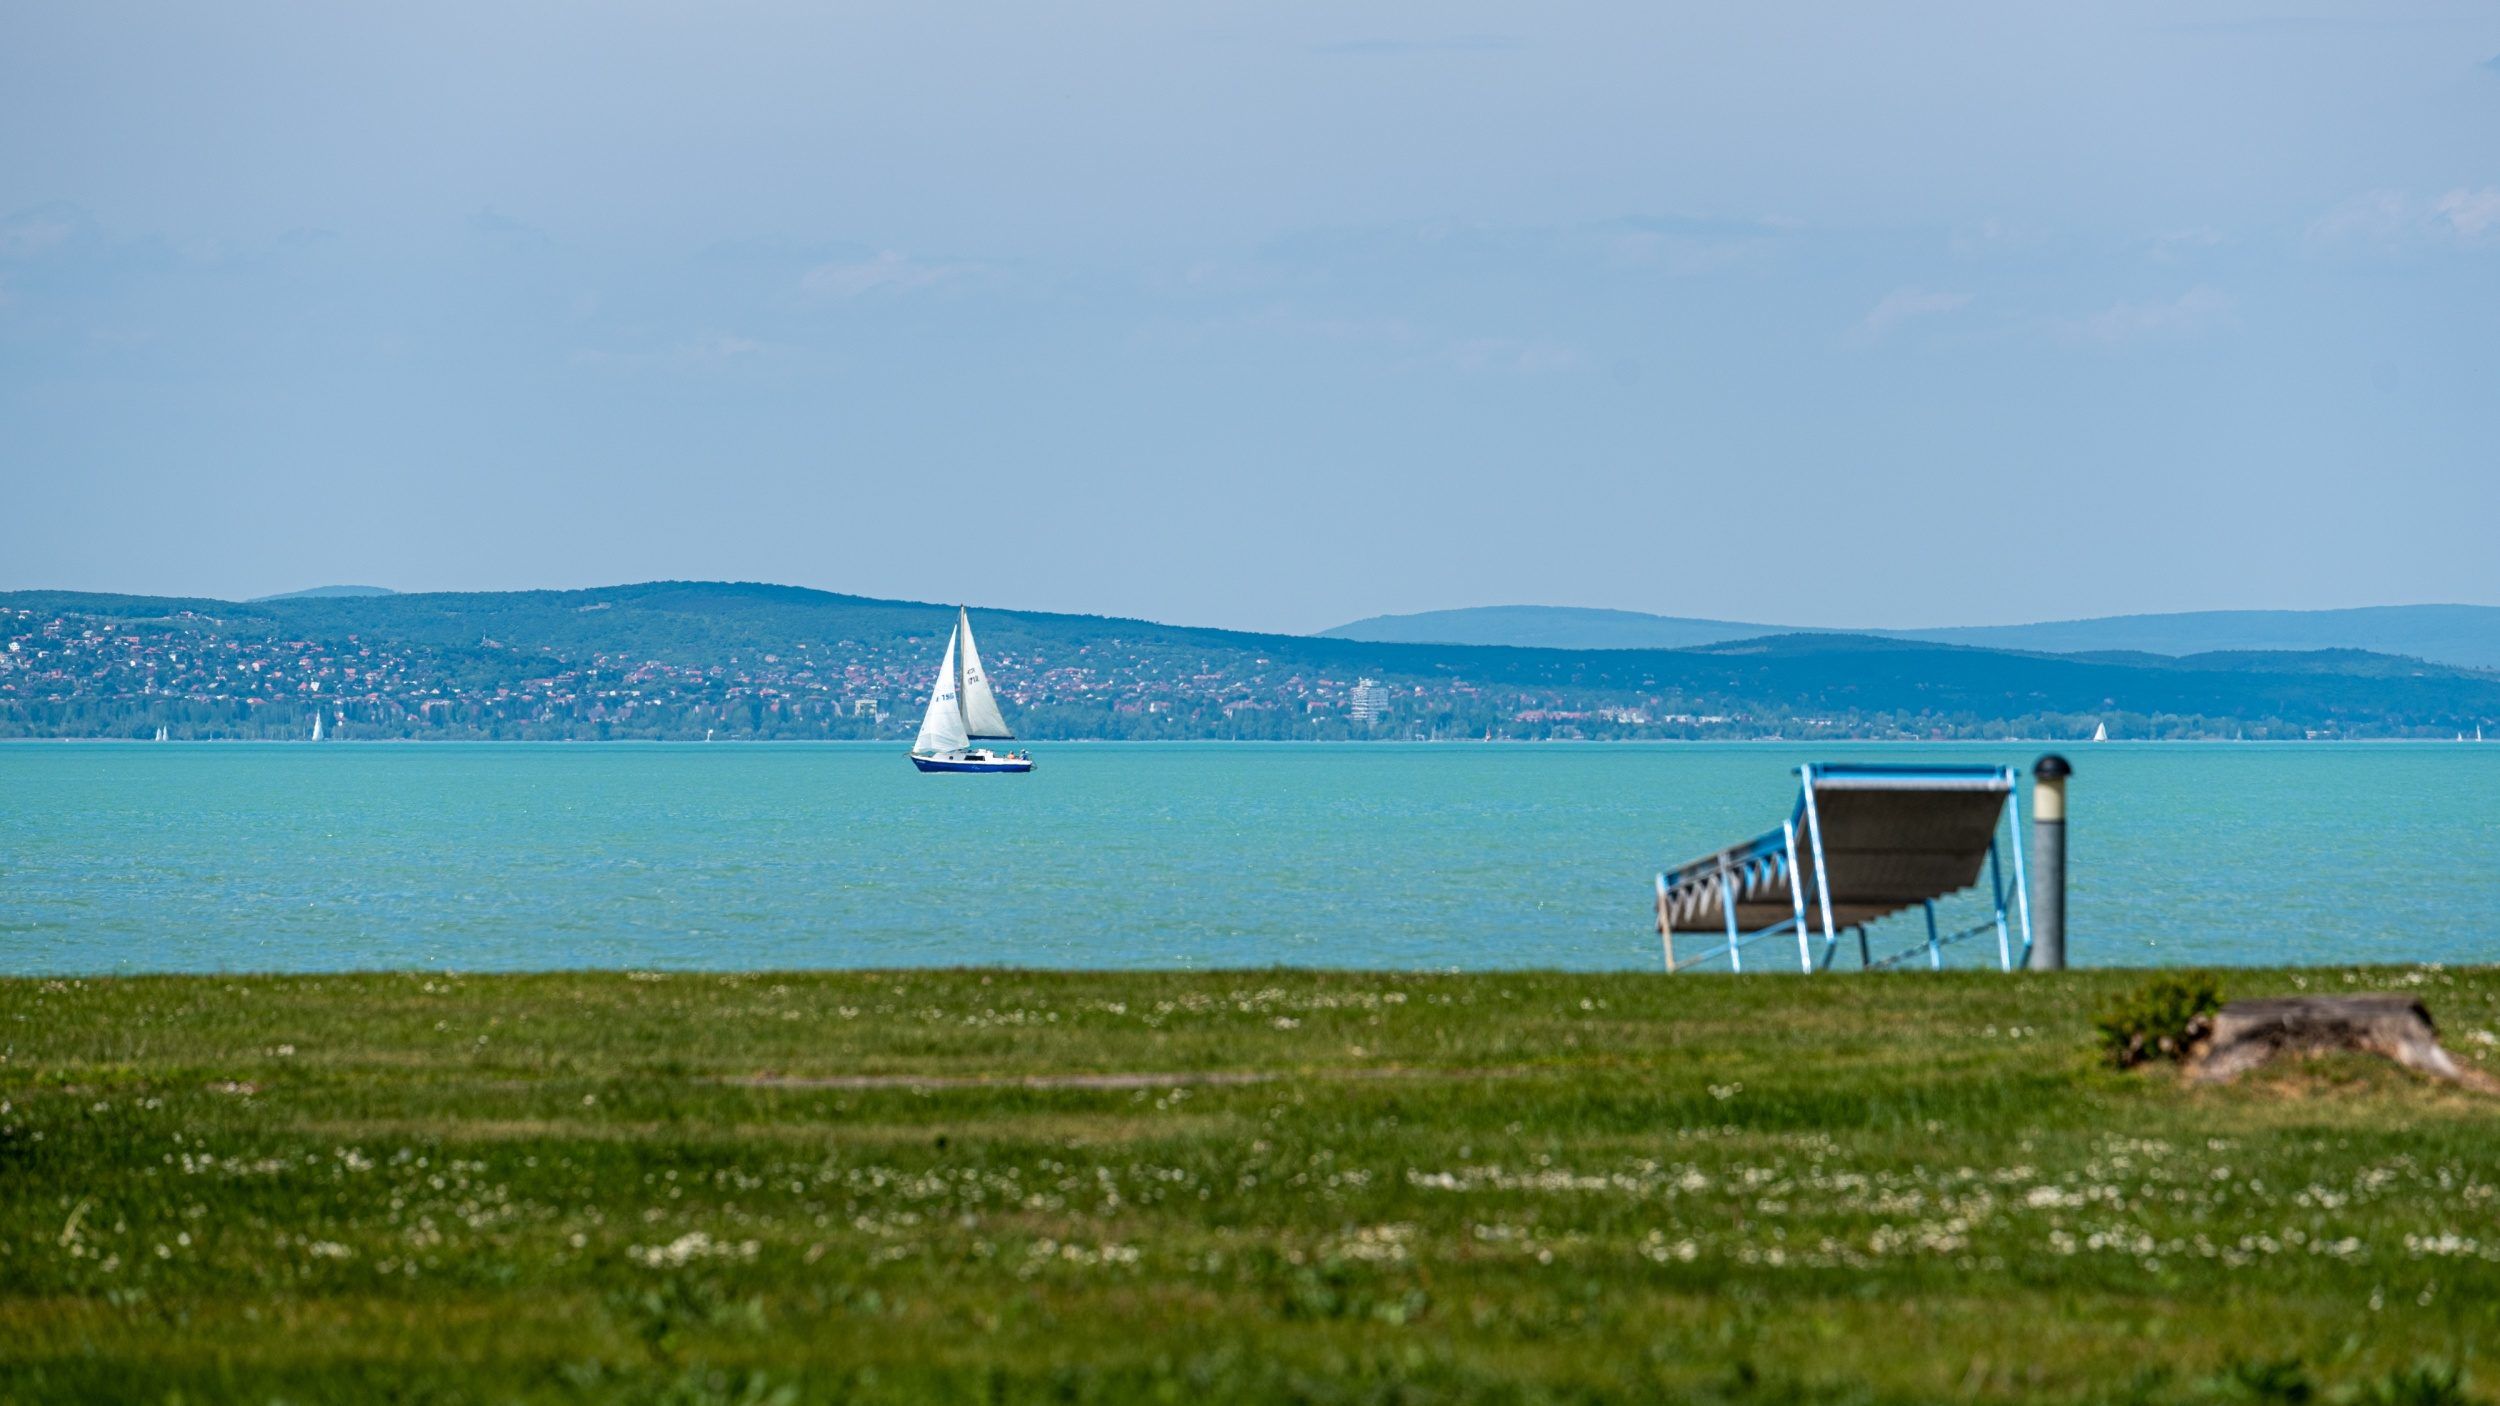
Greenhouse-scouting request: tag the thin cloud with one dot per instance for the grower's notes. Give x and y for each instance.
(2470, 214)
(887, 273)
(2174, 245)
(2394, 221)
(1908, 305)
(1534, 356)
(1404, 343)
(1323, 327)
(42, 229)
(1408, 48)
(1685, 246)
(491, 223)
(1676, 245)
(2293, 24)
(2199, 310)
(2381, 218)
(722, 347)
(1993, 237)
(709, 349)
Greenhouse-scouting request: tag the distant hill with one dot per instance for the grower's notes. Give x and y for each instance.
(2464, 636)
(1549, 627)
(331, 593)
(687, 659)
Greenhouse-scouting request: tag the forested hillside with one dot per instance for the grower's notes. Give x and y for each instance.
(683, 659)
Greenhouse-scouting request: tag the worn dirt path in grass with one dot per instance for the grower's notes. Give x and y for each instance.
(1104, 1081)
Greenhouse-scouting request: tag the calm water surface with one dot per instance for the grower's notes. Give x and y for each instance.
(294, 857)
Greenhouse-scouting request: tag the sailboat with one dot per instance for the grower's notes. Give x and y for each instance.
(160, 732)
(963, 710)
(316, 725)
(2100, 732)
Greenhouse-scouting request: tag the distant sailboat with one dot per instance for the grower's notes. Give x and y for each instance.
(962, 710)
(160, 733)
(316, 725)
(2100, 732)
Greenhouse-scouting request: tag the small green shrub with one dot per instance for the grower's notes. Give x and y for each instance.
(2272, 1381)
(2424, 1384)
(2163, 1019)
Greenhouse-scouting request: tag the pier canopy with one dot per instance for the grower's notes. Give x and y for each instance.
(1864, 842)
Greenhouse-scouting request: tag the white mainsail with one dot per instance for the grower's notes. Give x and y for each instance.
(981, 716)
(942, 728)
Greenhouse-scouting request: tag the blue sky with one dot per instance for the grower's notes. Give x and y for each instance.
(1267, 316)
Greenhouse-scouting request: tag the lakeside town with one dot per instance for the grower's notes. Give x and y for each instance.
(71, 674)
(697, 661)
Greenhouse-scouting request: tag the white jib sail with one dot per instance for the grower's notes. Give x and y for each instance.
(942, 728)
(981, 716)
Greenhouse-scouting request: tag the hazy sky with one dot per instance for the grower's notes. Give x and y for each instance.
(1267, 315)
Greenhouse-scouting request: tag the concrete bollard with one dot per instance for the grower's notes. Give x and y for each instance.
(2048, 863)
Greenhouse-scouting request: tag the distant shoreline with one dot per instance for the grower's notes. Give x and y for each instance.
(899, 746)
(679, 660)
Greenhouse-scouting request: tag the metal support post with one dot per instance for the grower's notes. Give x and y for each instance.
(1666, 924)
(1727, 905)
(1797, 897)
(2048, 863)
(2022, 882)
(1996, 890)
(1822, 881)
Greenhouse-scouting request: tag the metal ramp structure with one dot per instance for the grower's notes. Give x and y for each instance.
(1865, 842)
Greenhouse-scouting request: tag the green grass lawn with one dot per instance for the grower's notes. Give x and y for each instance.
(1520, 1186)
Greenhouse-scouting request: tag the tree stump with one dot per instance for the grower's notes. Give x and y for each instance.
(2249, 1033)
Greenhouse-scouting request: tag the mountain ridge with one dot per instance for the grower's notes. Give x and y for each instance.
(2464, 636)
(329, 592)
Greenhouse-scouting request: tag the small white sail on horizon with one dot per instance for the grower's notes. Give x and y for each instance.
(160, 732)
(316, 725)
(2100, 732)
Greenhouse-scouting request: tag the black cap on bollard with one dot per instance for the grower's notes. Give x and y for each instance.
(2051, 768)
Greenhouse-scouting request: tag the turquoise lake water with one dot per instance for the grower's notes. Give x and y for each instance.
(295, 857)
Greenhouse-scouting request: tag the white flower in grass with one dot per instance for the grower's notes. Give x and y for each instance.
(689, 1247)
(1375, 1244)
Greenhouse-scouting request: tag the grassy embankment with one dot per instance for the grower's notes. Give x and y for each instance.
(1517, 1186)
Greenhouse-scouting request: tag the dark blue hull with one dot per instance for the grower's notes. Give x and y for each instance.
(974, 764)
